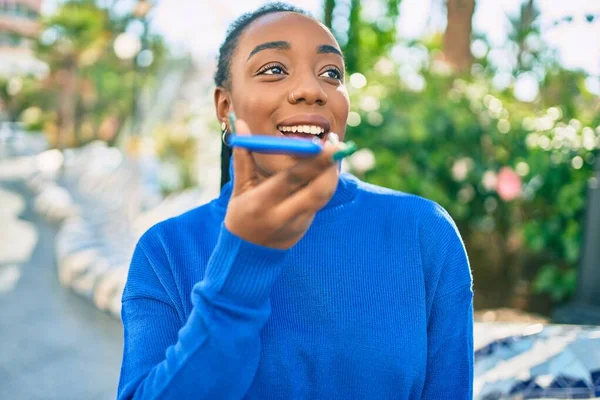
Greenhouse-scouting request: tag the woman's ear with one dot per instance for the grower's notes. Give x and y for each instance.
(222, 103)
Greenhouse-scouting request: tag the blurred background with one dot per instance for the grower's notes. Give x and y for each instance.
(489, 107)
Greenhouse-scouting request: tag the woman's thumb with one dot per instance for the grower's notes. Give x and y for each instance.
(244, 169)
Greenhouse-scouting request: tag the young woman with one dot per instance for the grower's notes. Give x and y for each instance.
(296, 282)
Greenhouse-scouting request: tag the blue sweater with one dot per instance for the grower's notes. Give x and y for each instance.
(374, 302)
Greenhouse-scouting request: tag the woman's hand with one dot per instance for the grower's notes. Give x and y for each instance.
(277, 212)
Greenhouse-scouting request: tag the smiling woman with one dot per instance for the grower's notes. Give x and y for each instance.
(297, 282)
(272, 83)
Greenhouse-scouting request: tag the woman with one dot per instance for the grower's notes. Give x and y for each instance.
(297, 282)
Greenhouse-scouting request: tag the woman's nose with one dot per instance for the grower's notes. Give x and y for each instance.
(309, 91)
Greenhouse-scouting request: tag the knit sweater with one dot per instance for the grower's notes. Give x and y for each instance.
(374, 302)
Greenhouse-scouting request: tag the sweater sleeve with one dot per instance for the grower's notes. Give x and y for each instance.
(216, 353)
(450, 310)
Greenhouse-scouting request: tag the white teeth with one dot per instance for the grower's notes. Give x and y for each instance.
(312, 129)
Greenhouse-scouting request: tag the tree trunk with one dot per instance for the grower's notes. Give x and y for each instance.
(328, 14)
(67, 106)
(526, 20)
(457, 38)
(352, 48)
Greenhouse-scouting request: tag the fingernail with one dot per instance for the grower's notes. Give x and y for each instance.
(347, 151)
(232, 119)
(333, 138)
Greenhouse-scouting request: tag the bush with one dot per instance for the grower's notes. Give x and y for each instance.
(513, 175)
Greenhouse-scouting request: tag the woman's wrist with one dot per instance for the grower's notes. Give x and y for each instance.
(242, 271)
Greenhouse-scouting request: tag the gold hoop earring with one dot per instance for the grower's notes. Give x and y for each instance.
(224, 133)
(224, 138)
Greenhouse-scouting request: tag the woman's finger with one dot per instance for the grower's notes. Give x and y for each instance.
(244, 168)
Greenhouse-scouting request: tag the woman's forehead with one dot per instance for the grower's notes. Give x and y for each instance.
(297, 29)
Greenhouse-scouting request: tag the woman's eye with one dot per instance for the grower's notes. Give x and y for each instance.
(273, 70)
(332, 73)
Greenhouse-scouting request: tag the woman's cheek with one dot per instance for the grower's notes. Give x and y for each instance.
(257, 107)
(341, 90)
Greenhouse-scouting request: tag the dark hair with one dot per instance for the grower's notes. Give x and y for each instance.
(226, 52)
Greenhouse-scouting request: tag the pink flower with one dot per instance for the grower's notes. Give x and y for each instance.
(508, 184)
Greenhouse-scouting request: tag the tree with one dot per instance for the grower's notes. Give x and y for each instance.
(81, 37)
(92, 87)
(365, 41)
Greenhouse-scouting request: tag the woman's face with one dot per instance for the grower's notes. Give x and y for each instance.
(287, 74)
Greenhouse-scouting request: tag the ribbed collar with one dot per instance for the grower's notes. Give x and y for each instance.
(343, 198)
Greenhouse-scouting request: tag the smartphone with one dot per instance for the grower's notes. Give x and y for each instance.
(277, 145)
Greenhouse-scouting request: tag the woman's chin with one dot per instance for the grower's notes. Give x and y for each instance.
(271, 164)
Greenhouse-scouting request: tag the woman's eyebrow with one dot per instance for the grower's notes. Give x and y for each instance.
(279, 45)
(326, 48)
(283, 45)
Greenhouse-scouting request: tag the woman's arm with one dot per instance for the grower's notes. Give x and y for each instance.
(450, 310)
(216, 352)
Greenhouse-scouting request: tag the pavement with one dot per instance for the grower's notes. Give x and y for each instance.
(53, 345)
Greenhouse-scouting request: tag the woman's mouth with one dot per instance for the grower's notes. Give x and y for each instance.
(306, 126)
(302, 131)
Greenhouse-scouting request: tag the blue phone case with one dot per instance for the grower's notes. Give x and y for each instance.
(276, 145)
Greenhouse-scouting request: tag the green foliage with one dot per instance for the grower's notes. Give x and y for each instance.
(456, 141)
(557, 283)
(365, 39)
(16, 95)
(80, 27)
(513, 174)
